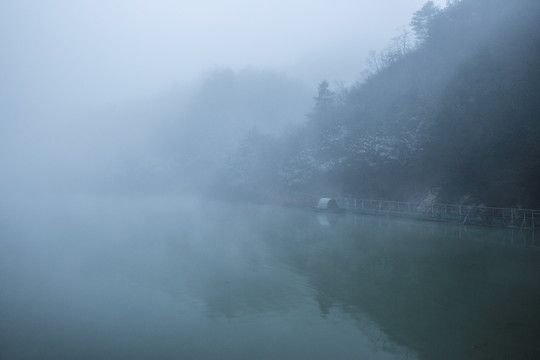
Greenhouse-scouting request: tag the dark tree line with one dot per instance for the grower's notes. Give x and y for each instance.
(457, 113)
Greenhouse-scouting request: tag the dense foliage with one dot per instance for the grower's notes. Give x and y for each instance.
(454, 111)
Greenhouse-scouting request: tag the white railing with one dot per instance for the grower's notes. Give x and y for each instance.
(465, 214)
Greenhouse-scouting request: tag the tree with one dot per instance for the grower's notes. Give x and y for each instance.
(400, 45)
(325, 110)
(325, 97)
(421, 20)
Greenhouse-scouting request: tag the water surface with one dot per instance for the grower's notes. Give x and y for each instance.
(181, 278)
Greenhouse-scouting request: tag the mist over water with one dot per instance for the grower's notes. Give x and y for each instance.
(181, 277)
(144, 145)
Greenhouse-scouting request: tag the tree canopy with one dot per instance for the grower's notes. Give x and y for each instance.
(457, 114)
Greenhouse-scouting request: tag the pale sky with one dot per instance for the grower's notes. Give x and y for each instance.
(92, 52)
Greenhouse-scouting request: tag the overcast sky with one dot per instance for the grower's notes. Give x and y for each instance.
(93, 52)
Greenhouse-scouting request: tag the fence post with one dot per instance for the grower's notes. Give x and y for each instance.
(511, 217)
(533, 234)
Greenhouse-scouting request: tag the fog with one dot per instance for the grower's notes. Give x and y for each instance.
(160, 163)
(90, 85)
(95, 52)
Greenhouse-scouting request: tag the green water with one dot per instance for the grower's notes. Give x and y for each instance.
(176, 278)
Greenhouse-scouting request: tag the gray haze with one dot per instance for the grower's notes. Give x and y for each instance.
(86, 53)
(88, 88)
(120, 119)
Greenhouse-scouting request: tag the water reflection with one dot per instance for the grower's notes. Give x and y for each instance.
(445, 291)
(197, 279)
(328, 219)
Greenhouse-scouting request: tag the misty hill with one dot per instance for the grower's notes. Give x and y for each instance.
(454, 111)
(179, 139)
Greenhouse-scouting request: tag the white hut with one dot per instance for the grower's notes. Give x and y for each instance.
(327, 204)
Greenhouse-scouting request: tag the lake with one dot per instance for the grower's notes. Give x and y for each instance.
(183, 278)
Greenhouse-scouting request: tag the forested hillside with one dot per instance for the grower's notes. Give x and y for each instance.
(452, 108)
